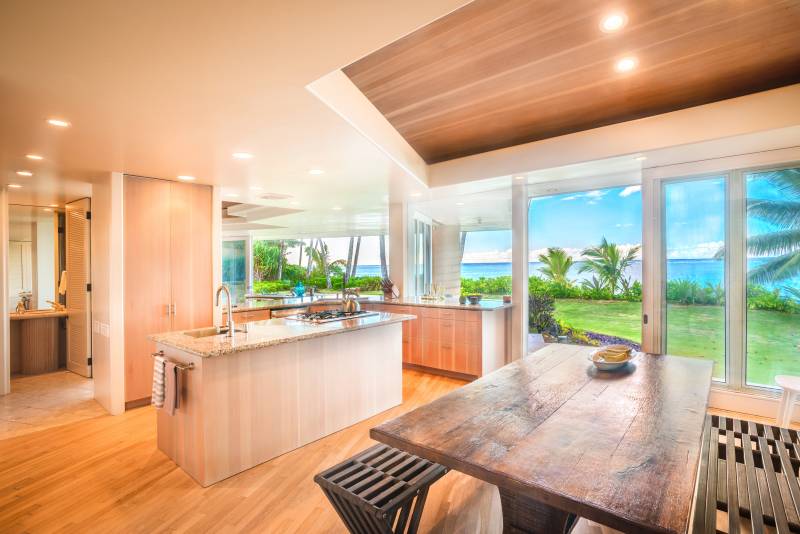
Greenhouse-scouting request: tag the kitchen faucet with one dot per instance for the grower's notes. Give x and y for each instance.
(227, 291)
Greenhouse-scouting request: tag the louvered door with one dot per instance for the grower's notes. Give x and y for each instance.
(79, 340)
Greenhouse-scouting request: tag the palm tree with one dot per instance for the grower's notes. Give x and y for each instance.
(556, 265)
(609, 262)
(783, 244)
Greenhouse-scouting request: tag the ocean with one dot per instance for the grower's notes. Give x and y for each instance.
(701, 271)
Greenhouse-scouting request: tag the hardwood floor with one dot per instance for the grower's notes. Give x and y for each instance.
(104, 474)
(42, 401)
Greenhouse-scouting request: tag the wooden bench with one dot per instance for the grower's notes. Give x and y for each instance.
(747, 478)
(381, 490)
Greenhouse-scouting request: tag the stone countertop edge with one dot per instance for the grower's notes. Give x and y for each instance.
(219, 345)
(453, 305)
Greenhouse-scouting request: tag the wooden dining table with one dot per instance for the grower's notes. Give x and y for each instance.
(561, 439)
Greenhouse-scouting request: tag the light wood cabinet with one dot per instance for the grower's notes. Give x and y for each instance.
(168, 271)
(464, 342)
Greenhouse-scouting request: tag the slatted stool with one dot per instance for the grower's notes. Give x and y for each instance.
(747, 479)
(381, 490)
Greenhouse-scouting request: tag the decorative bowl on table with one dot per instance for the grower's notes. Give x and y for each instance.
(474, 299)
(611, 357)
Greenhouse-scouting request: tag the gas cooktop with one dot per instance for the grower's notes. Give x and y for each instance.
(329, 315)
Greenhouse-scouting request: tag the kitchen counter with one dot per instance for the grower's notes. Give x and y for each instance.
(248, 399)
(451, 303)
(253, 304)
(271, 303)
(37, 314)
(268, 333)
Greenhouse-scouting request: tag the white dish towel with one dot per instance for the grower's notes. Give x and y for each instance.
(157, 398)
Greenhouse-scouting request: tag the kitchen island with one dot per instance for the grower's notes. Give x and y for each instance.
(249, 398)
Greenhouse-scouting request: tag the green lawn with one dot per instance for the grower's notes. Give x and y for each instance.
(772, 345)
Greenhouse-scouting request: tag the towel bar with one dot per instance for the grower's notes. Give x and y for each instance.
(182, 366)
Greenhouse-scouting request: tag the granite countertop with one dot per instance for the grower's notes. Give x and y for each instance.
(268, 333)
(294, 302)
(452, 303)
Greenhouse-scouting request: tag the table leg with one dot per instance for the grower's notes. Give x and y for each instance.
(524, 515)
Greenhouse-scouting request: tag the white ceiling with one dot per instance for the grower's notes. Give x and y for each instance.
(174, 88)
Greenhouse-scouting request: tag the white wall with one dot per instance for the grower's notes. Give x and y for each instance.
(5, 345)
(108, 357)
(446, 248)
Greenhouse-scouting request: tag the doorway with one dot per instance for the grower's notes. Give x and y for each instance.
(49, 315)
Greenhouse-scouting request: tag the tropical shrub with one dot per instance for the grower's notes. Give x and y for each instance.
(541, 310)
(498, 285)
(761, 298)
(271, 286)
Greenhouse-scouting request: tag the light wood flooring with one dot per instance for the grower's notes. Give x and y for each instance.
(104, 474)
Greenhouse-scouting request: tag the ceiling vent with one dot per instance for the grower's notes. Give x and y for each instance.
(275, 196)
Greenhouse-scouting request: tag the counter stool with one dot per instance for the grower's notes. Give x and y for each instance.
(381, 490)
(791, 389)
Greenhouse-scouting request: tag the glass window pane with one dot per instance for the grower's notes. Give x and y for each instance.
(234, 268)
(585, 267)
(773, 275)
(694, 234)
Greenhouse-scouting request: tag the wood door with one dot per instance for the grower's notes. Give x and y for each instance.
(147, 278)
(190, 256)
(79, 301)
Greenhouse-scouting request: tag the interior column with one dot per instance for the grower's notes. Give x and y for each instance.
(519, 271)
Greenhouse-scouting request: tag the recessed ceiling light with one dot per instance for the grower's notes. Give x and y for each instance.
(626, 64)
(53, 205)
(613, 22)
(256, 188)
(186, 178)
(316, 171)
(25, 173)
(242, 155)
(231, 195)
(416, 194)
(641, 158)
(14, 186)
(459, 203)
(34, 157)
(336, 208)
(48, 209)
(519, 177)
(61, 123)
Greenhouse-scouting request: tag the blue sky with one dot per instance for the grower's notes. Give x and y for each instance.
(571, 221)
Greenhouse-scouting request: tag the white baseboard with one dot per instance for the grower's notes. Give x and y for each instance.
(760, 404)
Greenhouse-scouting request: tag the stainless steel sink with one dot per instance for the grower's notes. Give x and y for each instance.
(204, 332)
(212, 331)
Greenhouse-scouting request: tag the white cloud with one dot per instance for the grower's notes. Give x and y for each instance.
(623, 225)
(487, 256)
(695, 252)
(596, 193)
(631, 189)
(571, 197)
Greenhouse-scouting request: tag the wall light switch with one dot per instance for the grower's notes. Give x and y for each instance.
(104, 330)
(96, 327)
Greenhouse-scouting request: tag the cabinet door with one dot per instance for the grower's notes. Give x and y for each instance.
(447, 344)
(147, 278)
(460, 350)
(190, 255)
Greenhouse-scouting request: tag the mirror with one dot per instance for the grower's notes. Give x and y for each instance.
(35, 257)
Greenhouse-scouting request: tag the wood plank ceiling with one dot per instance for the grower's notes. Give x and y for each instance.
(497, 73)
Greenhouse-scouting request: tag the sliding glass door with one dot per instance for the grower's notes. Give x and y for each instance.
(694, 237)
(773, 274)
(730, 272)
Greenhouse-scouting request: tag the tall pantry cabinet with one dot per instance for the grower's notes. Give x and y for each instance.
(168, 271)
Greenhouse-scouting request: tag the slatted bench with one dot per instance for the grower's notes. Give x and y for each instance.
(381, 490)
(747, 478)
